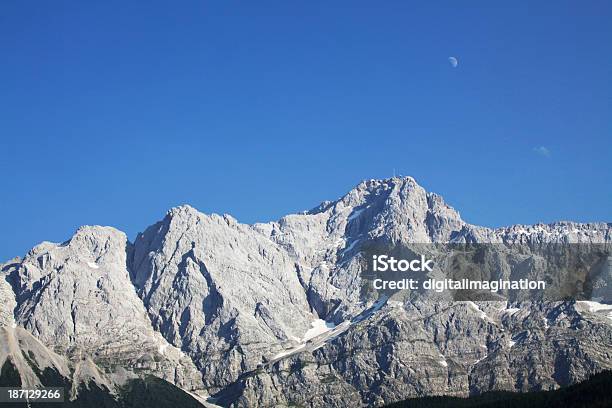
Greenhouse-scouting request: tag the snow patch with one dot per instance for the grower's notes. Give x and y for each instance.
(318, 327)
(351, 246)
(373, 309)
(481, 314)
(595, 308)
(93, 265)
(354, 215)
(162, 349)
(289, 351)
(322, 332)
(511, 311)
(480, 359)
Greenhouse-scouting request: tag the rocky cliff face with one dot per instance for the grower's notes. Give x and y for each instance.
(77, 298)
(418, 349)
(273, 313)
(219, 290)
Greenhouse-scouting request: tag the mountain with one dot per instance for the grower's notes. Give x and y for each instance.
(274, 314)
(25, 361)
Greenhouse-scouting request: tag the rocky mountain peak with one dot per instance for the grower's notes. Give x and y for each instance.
(184, 211)
(207, 302)
(404, 210)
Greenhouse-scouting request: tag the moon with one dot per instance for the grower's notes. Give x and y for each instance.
(453, 61)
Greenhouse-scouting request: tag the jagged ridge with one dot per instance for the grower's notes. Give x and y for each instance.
(205, 293)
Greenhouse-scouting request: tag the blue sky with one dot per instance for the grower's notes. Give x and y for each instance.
(111, 113)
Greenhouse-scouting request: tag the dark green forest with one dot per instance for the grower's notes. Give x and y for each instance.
(596, 392)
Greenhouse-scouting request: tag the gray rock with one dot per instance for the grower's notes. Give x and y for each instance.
(220, 291)
(77, 298)
(216, 306)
